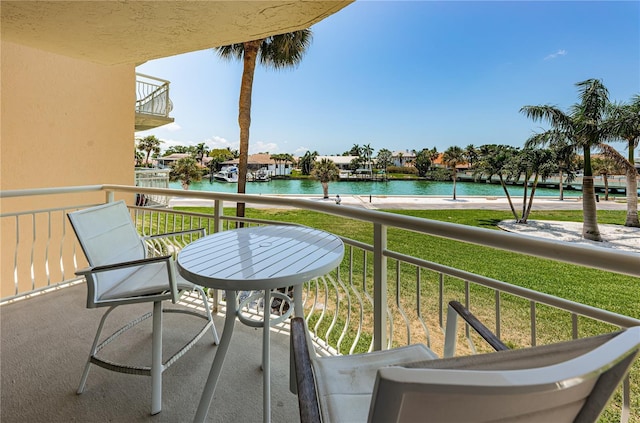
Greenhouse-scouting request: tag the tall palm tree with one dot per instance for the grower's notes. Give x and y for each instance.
(452, 157)
(278, 52)
(149, 144)
(623, 123)
(583, 127)
(326, 171)
(186, 170)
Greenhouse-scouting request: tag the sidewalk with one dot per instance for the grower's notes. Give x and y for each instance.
(379, 202)
(615, 236)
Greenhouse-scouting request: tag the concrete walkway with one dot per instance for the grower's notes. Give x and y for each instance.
(387, 202)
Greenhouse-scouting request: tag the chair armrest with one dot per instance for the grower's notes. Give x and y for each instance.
(450, 333)
(122, 265)
(307, 396)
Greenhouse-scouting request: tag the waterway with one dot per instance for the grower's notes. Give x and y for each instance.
(408, 188)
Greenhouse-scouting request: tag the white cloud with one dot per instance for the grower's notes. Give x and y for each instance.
(556, 54)
(172, 127)
(301, 150)
(219, 142)
(262, 147)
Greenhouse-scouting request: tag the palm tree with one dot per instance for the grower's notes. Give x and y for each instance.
(530, 163)
(563, 151)
(583, 127)
(200, 151)
(623, 123)
(605, 166)
(325, 170)
(494, 160)
(149, 144)
(452, 157)
(614, 162)
(278, 52)
(367, 152)
(384, 159)
(306, 162)
(186, 170)
(471, 154)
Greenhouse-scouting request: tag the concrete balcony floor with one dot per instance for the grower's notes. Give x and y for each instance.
(44, 345)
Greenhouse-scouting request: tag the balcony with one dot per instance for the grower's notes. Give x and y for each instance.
(153, 104)
(378, 297)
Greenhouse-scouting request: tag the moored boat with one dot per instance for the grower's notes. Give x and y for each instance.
(228, 174)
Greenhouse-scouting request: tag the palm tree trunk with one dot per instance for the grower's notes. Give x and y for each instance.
(561, 186)
(525, 216)
(525, 188)
(244, 116)
(632, 199)
(590, 228)
(454, 182)
(605, 178)
(506, 191)
(632, 189)
(325, 189)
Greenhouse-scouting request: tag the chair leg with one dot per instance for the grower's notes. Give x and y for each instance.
(207, 307)
(87, 367)
(156, 359)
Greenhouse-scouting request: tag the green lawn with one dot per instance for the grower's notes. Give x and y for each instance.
(606, 290)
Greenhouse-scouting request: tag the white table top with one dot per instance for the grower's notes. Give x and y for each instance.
(259, 258)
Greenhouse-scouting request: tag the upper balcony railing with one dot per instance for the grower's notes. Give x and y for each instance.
(378, 297)
(153, 103)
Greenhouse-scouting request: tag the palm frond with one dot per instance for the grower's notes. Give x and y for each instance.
(613, 154)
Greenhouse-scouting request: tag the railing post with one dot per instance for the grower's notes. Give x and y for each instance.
(110, 196)
(217, 215)
(379, 287)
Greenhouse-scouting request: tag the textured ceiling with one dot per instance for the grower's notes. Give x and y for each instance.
(116, 32)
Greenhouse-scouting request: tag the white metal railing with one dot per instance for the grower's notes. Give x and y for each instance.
(377, 298)
(152, 178)
(152, 96)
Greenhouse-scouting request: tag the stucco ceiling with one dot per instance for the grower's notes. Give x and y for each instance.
(117, 32)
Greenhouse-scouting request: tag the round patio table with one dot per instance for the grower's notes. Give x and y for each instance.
(260, 258)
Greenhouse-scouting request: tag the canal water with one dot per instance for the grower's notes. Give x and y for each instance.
(409, 188)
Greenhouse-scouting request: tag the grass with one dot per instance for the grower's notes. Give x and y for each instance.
(593, 287)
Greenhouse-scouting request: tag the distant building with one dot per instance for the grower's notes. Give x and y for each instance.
(403, 158)
(168, 161)
(341, 162)
(259, 161)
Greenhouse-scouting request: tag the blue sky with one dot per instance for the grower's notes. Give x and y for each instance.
(406, 75)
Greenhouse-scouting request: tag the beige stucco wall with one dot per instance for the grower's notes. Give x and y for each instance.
(64, 122)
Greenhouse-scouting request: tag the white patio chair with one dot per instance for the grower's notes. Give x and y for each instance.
(565, 382)
(120, 273)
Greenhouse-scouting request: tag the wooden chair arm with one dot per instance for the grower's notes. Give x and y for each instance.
(305, 381)
(478, 326)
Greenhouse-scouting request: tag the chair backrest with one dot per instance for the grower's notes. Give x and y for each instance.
(565, 382)
(107, 235)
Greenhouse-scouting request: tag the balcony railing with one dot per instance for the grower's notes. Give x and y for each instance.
(152, 96)
(378, 297)
(153, 103)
